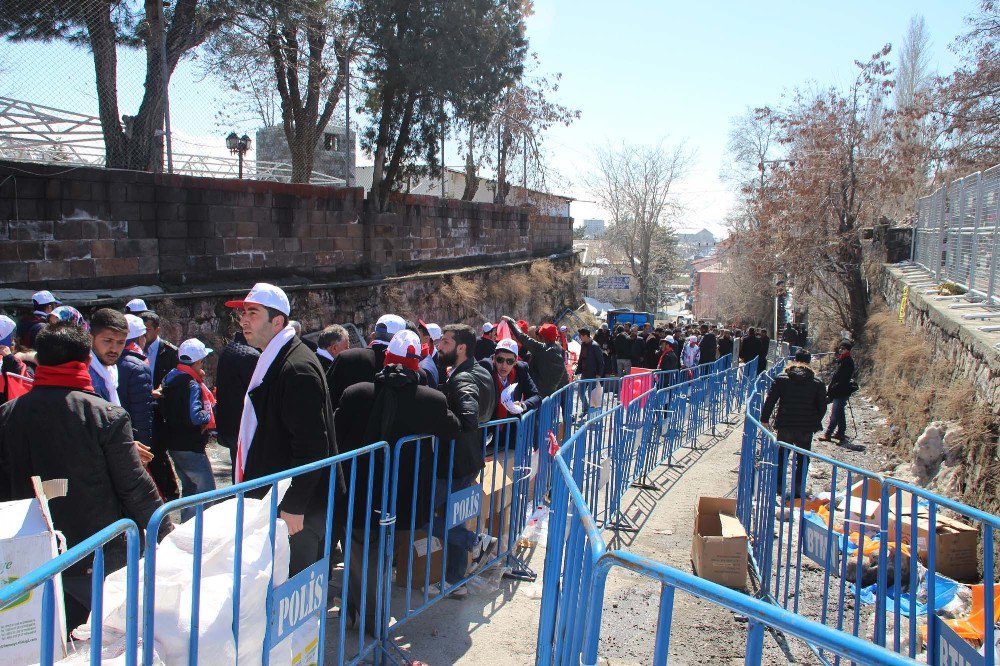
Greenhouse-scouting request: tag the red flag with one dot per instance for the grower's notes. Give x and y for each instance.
(503, 330)
(553, 443)
(16, 385)
(635, 384)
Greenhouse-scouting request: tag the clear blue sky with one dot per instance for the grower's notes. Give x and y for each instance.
(639, 71)
(642, 70)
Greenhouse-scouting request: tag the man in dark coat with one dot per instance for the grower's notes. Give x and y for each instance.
(725, 343)
(162, 358)
(622, 347)
(506, 370)
(801, 402)
(487, 342)
(361, 365)
(232, 379)
(287, 420)
(332, 342)
(547, 365)
(590, 365)
(840, 389)
(749, 346)
(135, 382)
(63, 430)
(470, 393)
(28, 328)
(637, 348)
(394, 406)
(652, 349)
(765, 347)
(161, 354)
(709, 345)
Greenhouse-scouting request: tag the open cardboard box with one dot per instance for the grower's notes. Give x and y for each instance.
(719, 543)
(957, 544)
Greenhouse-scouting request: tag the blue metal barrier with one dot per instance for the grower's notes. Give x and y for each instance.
(44, 576)
(578, 562)
(875, 551)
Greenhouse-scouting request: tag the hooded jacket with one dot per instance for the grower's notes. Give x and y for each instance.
(800, 398)
(547, 365)
(840, 382)
(390, 408)
(184, 413)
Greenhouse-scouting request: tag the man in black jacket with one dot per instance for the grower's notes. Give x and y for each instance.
(547, 365)
(394, 406)
(801, 402)
(487, 343)
(287, 420)
(590, 365)
(507, 371)
(471, 396)
(232, 379)
(332, 342)
(709, 345)
(749, 346)
(725, 343)
(840, 389)
(162, 357)
(354, 366)
(63, 430)
(622, 347)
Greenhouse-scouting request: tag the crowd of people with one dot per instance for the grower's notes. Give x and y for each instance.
(125, 415)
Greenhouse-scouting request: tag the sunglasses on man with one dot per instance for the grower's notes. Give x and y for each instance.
(504, 360)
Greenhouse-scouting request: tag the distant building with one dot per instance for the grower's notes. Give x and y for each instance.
(593, 228)
(454, 186)
(706, 276)
(606, 273)
(695, 244)
(335, 152)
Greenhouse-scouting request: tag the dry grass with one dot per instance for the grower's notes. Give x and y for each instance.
(915, 389)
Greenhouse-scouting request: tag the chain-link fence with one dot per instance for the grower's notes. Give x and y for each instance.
(193, 87)
(957, 234)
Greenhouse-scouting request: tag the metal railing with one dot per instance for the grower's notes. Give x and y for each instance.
(957, 234)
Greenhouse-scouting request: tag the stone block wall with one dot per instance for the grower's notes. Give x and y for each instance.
(91, 228)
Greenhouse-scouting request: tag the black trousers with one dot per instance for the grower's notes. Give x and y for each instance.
(802, 439)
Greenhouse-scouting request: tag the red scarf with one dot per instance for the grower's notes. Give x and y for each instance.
(134, 347)
(501, 411)
(72, 375)
(206, 396)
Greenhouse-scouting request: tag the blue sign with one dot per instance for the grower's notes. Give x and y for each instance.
(615, 282)
(463, 505)
(299, 599)
(820, 545)
(953, 650)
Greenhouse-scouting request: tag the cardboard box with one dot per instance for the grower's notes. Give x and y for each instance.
(415, 558)
(498, 495)
(719, 544)
(850, 517)
(957, 544)
(27, 541)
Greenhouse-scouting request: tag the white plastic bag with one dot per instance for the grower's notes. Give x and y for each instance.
(174, 588)
(597, 396)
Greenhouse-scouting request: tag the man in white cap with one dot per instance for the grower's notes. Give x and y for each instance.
(429, 362)
(136, 307)
(135, 382)
(487, 342)
(188, 408)
(287, 420)
(28, 328)
(361, 365)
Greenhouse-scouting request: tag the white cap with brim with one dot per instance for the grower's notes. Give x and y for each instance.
(7, 327)
(506, 345)
(44, 298)
(192, 351)
(267, 295)
(387, 326)
(487, 327)
(136, 305)
(135, 327)
(434, 331)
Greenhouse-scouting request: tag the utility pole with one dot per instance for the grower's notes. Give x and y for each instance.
(348, 140)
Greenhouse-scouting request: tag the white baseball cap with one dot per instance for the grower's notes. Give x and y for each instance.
(135, 327)
(387, 326)
(193, 350)
(405, 344)
(434, 331)
(44, 298)
(506, 345)
(267, 295)
(136, 305)
(7, 327)
(487, 327)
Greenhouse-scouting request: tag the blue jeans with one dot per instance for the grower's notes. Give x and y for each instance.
(195, 473)
(838, 418)
(461, 540)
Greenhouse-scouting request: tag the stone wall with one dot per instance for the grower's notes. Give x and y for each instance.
(959, 342)
(91, 228)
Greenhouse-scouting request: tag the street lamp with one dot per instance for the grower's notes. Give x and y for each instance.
(238, 145)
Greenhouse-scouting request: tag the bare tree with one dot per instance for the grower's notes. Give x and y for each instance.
(913, 75)
(634, 183)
